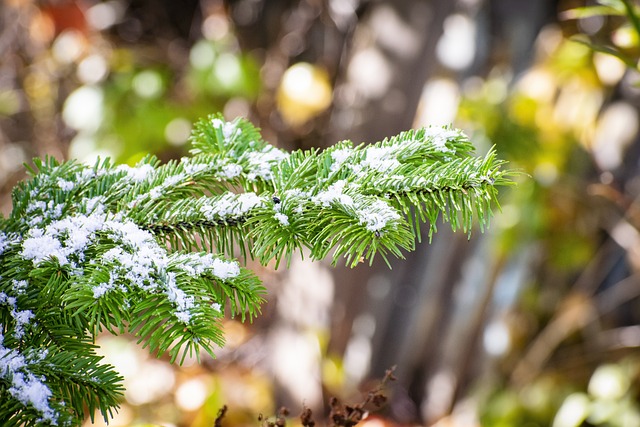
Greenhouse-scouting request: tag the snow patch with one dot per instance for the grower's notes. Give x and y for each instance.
(333, 194)
(376, 216)
(282, 218)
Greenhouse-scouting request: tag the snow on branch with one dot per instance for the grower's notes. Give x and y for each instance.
(152, 248)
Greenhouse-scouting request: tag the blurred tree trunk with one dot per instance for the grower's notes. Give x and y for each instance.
(392, 55)
(427, 331)
(380, 55)
(393, 45)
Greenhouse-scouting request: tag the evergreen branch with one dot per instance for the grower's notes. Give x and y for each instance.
(83, 380)
(149, 249)
(425, 173)
(249, 157)
(69, 379)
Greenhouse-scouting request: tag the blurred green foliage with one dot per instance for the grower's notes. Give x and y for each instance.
(141, 101)
(547, 123)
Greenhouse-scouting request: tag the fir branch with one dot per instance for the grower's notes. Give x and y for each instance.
(422, 174)
(150, 249)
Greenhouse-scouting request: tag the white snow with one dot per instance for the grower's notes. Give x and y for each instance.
(25, 386)
(94, 204)
(65, 185)
(195, 264)
(376, 216)
(228, 128)
(22, 318)
(183, 302)
(173, 180)
(333, 194)
(230, 205)
(5, 241)
(284, 219)
(20, 286)
(191, 168)
(6, 299)
(381, 159)
(440, 135)
(260, 163)
(30, 390)
(137, 174)
(339, 157)
(225, 269)
(102, 288)
(231, 170)
(49, 211)
(39, 248)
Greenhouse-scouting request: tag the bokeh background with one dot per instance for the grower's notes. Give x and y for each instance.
(535, 322)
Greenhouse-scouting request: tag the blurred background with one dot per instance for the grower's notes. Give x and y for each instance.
(535, 322)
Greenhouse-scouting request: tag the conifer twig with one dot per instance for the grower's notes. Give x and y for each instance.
(152, 249)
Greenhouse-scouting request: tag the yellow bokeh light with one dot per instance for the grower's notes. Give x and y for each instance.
(304, 92)
(192, 394)
(609, 382)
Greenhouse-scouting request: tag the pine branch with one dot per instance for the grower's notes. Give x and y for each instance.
(417, 176)
(151, 249)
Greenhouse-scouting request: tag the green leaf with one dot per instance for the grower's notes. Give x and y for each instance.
(591, 11)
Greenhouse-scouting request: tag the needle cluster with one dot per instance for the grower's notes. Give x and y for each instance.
(156, 250)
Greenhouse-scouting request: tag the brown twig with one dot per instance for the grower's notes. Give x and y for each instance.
(220, 416)
(349, 416)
